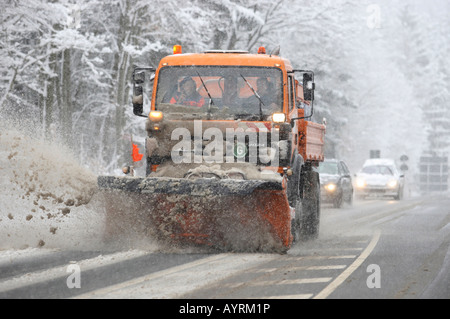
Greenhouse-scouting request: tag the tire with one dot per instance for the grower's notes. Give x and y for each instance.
(296, 222)
(399, 194)
(349, 200)
(293, 188)
(295, 200)
(310, 205)
(337, 203)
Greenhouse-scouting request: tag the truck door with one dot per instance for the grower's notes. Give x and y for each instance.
(292, 111)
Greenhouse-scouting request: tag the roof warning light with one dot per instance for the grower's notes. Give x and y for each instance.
(177, 49)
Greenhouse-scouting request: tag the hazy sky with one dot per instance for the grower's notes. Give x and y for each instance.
(435, 8)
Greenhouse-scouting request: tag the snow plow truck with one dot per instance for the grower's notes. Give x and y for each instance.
(230, 152)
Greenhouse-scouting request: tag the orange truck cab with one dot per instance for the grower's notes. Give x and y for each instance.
(229, 79)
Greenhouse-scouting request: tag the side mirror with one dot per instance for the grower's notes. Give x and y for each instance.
(138, 100)
(308, 86)
(138, 92)
(305, 91)
(139, 77)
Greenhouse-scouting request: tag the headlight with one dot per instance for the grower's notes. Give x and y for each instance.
(155, 116)
(360, 183)
(278, 117)
(392, 183)
(330, 187)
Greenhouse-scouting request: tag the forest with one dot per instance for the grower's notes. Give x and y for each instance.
(382, 68)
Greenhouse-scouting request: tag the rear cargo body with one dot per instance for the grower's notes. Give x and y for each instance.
(227, 166)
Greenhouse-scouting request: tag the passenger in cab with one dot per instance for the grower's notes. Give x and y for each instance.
(267, 95)
(188, 94)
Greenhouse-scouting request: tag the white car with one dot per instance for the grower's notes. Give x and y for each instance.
(379, 177)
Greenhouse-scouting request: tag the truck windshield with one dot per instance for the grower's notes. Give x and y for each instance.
(221, 92)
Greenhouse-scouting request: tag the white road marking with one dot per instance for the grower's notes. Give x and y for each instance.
(347, 272)
(296, 268)
(342, 257)
(280, 282)
(325, 257)
(178, 280)
(299, 296)
(326, 267)
(17, 255)
(61, 271)
(156, 275)
(306, 281)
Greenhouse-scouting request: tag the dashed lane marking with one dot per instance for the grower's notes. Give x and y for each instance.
(152, 276)
(299, 296)
(180, 280)
(280, 282)
(326, 267)
(325, 257)
(347, 272)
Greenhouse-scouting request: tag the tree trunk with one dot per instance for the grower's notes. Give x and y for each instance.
(49, 99)
(121, 89)
(66, 98)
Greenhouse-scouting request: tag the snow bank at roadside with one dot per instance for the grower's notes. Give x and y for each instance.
(46, 197)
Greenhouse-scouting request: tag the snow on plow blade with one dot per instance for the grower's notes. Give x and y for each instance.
(238, 215)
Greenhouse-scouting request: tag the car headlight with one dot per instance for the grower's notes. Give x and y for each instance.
(392, 183)
(360, 183)
(330, 187)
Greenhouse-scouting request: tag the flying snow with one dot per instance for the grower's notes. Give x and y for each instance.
(46, 197)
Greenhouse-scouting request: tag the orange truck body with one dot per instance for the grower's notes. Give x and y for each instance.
(217, 212)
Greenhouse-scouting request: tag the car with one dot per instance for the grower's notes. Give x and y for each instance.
(335, 182)
(379, 177)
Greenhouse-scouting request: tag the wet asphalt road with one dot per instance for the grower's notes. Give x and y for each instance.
(376, 248)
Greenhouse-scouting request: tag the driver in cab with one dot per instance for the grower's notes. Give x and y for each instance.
(188, 94)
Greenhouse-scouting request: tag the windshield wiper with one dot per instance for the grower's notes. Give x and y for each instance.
(257, 95)
(246, 117)
(209, 95)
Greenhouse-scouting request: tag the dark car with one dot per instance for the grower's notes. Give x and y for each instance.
(335, 182)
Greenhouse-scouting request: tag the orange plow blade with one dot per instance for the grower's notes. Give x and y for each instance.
(232, 215)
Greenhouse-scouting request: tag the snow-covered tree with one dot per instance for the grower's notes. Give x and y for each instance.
(437, 81)
(381, 70)
(321, 36)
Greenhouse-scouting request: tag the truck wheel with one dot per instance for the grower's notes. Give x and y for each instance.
(293, 189)
(296, 222)
(311, 205)
(295, 199)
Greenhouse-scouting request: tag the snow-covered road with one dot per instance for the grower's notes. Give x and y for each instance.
(396, 237)
(51, 226)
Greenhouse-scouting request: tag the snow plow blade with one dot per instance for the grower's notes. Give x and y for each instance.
(236, 215)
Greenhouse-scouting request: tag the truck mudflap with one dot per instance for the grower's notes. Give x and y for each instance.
(232, 215)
